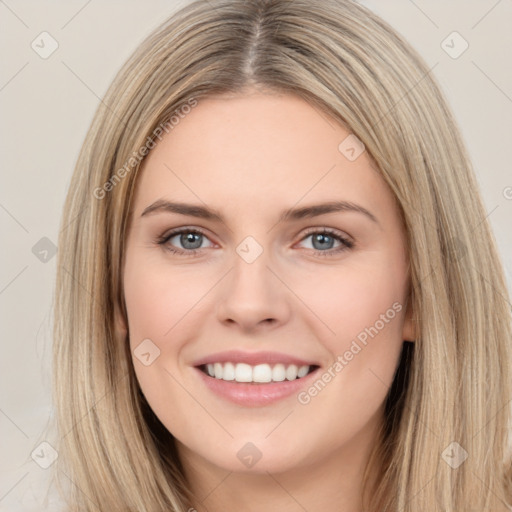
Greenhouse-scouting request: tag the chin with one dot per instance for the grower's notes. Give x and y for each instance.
(243, 456)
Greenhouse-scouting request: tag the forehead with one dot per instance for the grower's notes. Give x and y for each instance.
(254, 151)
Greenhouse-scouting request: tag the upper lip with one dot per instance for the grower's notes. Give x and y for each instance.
(252, 358)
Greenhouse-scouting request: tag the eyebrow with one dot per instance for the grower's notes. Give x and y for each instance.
(292, 214)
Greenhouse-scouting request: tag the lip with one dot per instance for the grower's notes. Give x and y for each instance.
(253, 358)
(256, 394)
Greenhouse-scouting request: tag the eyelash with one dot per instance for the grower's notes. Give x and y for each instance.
(345, 242)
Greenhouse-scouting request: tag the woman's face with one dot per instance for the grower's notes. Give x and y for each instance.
(290, 257)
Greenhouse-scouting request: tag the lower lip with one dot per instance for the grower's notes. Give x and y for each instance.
(257, 394)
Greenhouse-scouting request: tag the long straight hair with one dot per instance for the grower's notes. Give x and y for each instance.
(451, 394)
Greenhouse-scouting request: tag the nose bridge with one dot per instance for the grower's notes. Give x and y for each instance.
(250, 250)
(251, 275)
(252, 293)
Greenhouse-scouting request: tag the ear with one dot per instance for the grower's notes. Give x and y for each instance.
(409, 329)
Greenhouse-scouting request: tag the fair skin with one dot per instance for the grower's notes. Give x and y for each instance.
(249, 157)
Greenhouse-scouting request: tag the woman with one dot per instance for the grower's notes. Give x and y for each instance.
(263, 367)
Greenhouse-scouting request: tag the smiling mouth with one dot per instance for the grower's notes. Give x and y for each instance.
(256, 374)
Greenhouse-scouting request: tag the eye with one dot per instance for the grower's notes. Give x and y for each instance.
(190, 239)
(322, 241)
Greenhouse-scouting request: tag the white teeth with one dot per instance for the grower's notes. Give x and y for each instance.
(291, 372)
(242, 372)
(279, 372)
(217, 369)
(228, 372)
(262, 373)
(302, 371)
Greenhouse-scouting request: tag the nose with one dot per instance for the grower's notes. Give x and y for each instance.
(252, 297)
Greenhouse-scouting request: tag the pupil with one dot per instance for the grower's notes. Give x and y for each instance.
(321, 238)
(189, 238)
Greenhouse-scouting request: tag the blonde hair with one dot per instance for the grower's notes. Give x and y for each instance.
(454, 386)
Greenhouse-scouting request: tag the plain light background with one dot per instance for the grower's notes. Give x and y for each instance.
(47, 105)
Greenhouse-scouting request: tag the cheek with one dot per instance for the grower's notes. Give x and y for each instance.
(351, 299)
(363, 306)
(157, 303)
(157, 300)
